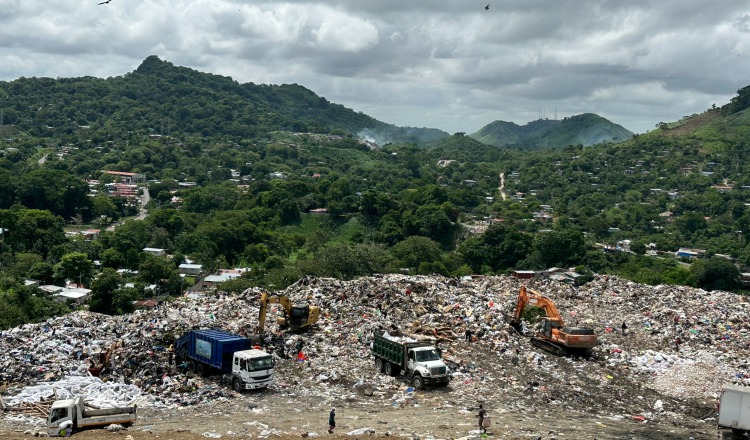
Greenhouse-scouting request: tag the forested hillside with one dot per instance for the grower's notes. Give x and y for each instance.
(246, 188)
(586, 129)
(161, 98)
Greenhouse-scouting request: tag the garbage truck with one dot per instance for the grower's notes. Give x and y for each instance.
(420, 362)
(734, 412)
(71, 415)
(213, 351)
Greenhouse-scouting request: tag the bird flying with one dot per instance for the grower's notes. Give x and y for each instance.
(486, 8)
(105, 2)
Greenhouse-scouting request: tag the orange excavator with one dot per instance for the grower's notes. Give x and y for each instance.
(554, 336)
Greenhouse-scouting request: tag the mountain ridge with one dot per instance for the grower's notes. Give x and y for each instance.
(585, 129)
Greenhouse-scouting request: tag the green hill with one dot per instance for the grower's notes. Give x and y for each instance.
(161, 98)
(586, 129)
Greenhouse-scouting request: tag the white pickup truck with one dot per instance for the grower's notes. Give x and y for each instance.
(71, 415)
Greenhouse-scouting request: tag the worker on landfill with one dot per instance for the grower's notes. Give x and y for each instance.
(624, 327)
(331, 420)
(514, 356)
(481, 415)
(677, 342)
(299, 345)
(468, 335)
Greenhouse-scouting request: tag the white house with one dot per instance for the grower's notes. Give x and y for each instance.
(155, 251)
(190, 269)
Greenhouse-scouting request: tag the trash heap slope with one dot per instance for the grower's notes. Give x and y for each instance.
(639, 374)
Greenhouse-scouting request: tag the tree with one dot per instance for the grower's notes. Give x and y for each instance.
(103, 292)
(75, 266)
(716, 273)
(415, 250)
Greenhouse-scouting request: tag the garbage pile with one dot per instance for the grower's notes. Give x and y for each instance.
(681, 343)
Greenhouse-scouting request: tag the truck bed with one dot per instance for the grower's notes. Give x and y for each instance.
(108, 411)
(734, 407)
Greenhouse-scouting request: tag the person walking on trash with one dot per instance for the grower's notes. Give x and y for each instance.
(481, 415)
(331, 420)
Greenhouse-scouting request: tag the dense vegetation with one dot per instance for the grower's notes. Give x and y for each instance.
(428, 207)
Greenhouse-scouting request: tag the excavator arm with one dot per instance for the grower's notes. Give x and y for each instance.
(528, 297)
(265, 300)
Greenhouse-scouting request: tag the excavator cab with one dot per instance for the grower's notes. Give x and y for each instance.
(298, 315)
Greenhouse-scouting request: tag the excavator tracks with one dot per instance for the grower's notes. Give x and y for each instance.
(549, 346)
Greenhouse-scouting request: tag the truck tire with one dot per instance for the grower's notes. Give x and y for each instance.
(191, 366)
(417, 382)
(200, 370)
(389, 369)
(237, 385)
(379, 365)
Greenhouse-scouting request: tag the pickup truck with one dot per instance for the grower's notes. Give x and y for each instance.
(420, 362)
(734, 411)
(73, 414)
(209, 351)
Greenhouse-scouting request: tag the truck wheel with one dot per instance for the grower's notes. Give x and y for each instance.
(388, 369)
(379, 364)
(200, 370)
(191, 366)
(417, 382)
(237, 385)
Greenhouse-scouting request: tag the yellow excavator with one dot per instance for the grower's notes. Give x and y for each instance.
(554, 336)
(297, 317)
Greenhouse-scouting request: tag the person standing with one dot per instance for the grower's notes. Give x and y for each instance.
(624, 327)
(331, 420)
(482, 413)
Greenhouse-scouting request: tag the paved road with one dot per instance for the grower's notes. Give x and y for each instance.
(142, 212)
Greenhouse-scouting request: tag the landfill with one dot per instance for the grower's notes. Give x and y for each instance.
(640, 373)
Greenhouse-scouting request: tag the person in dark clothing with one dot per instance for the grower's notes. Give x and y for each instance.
(624, 327)
(331, 420)
(468, 334)
(299, 345)
(481, 415)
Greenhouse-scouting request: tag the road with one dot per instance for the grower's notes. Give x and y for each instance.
(142, 211)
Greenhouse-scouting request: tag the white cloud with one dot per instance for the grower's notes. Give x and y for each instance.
(440, 63)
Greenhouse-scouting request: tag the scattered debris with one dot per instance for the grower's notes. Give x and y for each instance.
(639, 374)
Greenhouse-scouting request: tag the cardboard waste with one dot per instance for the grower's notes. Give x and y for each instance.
(639, 374)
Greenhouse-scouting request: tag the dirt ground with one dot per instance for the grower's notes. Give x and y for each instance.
(282, 415)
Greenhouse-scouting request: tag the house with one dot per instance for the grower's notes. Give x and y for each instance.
(155, 251)
(51, 289)
(126, 190)
(213, 280)
(127, 177)
(78, 295)
(690, 253)
(524, 274)
(190, 269)
(319, 211)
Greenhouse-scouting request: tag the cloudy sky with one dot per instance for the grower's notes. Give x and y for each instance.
(447, 64)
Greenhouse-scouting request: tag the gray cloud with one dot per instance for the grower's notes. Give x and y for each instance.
(437, 63)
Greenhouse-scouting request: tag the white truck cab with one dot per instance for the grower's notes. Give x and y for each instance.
(252, 369)
(426, 361)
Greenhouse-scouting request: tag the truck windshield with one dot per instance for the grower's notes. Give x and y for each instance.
(261, 364)
(427, 355)
(56, 415)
